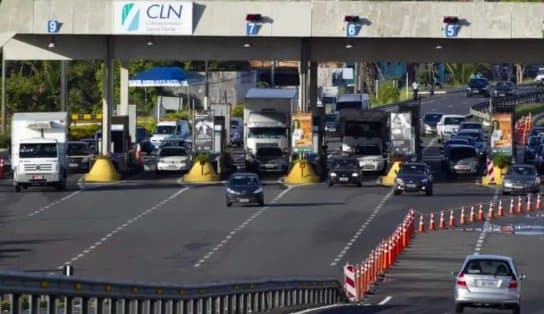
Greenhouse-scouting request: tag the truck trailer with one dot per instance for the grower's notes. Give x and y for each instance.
(38, 149)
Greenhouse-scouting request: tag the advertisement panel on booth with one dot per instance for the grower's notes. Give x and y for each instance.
(301, 132)
(402, 133)
(153, 17)
(203, 133)
(501, 136)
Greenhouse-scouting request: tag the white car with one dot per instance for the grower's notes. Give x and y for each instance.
(172, 158)
(448, 126)
(369, 158)
(539, 79)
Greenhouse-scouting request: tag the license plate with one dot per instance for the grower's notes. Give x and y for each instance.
(72, 165)
(517, 187)
(172, 167)
(244, 200)
(411, 185)
(269, 166)
(38, 177)
(344, 179)
(486, 283)
(501, 94)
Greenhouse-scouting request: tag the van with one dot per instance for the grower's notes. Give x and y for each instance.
(167, 128)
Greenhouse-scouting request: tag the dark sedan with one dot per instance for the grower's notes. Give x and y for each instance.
(244, 188)
(414, 177)
(521, 179)
(478, 86)
(504, 89)
(345, 171)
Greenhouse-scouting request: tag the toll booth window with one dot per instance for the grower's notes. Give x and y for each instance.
(48, 150)
(78, 149)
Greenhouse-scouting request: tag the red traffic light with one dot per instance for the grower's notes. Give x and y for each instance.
(254, 17)
(451, 19)
(352, 19)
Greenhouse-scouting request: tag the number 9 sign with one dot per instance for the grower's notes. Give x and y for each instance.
(53, 26)
(352, 29)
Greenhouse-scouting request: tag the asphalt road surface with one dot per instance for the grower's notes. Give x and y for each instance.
(158, 229)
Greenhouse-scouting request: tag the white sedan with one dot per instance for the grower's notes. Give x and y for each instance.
(172, 158)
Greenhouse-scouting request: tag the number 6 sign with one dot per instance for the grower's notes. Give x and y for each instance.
(352, 29)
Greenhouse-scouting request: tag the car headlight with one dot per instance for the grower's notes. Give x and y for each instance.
(257, 191)
(355, 174)
(399, 181)
(333, 174)
(508, 183)
(428, 127)
(231, 191)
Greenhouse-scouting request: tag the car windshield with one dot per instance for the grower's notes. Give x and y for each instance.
(432, 117)
(266, 132)
(346, 163)
(269, 151)
(411, 168)
(458, 153)
(38, 150)
(534, 141)
(453, 120)
(522, 171)
(471, 126)
(367, 150)
(330, 118)
(360, 129)
(168, 152)
(487, 267)
(477, 136)
(75, 149)
(504, 85)
(468, 140)
(536, 131)
(457, 142)
(165, 129)
(244, 180)
(477, 83)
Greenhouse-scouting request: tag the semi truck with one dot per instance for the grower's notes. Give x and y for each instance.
(365, 135)
(267, 115)
(38, 149)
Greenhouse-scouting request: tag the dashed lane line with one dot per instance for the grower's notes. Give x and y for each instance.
(485, 227)
(123, 226)
(43, 209)
(239, 228)
(386, 300)
(363, 227)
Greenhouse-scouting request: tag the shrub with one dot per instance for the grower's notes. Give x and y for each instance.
(502, 160)
(388, 93)
(238, 111)
(83, 131)
(182, 115)
(4, 141)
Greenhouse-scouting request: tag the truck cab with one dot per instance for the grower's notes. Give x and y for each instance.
(167, 128)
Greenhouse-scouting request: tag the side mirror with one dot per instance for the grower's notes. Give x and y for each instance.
(522, 277)
(454, 274)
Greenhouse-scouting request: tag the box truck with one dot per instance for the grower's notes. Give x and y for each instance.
(38, 149)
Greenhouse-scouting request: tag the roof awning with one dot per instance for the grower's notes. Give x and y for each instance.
(5, 37)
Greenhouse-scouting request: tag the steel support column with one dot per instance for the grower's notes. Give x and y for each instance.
(107, 98)
(3, 127)
(303, 72)
(123, 79)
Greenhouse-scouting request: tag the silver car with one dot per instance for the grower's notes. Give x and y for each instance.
(490, 281)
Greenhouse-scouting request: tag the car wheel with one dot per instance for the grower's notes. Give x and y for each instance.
(229, 204)
(397, 192)
(516, 309)
(459, 308)
(330, 184)
(429, 192)
(261, 203)
(505, 193)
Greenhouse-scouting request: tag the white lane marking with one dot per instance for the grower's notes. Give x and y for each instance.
(41, 210)
(485, 228)
(229, 236)
(121, 227)
(361, 229)
(325, 307)
(429, 145)
(384, 301)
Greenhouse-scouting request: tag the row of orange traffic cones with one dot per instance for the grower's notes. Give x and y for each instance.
(473, 217)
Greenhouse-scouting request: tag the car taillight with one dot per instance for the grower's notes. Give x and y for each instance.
(461, 282)
(513, 284)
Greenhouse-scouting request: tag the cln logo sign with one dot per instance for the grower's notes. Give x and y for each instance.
(159, 17)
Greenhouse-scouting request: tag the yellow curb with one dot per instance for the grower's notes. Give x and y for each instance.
(301, 173)
(201, 172)
(102, 171)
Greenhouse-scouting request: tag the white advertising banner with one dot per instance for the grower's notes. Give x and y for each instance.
(153, 17)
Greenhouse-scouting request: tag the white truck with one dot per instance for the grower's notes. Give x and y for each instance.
(267, 115)
(38, 149)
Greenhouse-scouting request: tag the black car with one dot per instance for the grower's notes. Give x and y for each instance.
(530, 149)
(478, 86)
(79, 156)
(414, 177)
(271, 159)
(504, 89)
(345, 171)
(244, 188)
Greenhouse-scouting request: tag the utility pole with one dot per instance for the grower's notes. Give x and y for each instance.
(4, 123)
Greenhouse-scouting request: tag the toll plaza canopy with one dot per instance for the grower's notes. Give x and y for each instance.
(273, 30)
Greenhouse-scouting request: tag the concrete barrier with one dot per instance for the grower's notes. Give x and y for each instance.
(202, 172)
(302, 172)
(102, 171)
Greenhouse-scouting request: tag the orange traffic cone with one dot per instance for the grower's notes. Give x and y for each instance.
(472, 215)
(442, 221)
(490, 212)
(481, 213)
(512, 209)
(501, 209)
(421, 224)
(462, 221)
(452, 220)
(538, 202)
(520, 205)
(432, 225)
(529, 205)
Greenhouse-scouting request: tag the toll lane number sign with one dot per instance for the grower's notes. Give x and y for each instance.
(252, 29)
(352, 29)
(451, 30)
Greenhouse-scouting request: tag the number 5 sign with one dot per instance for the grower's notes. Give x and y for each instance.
(451, 30)
(352, 29)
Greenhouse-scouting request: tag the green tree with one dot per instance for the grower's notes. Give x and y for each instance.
(237, 111)
(388, 93)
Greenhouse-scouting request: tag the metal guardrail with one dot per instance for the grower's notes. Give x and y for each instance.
(32, 293)
(481, 110)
